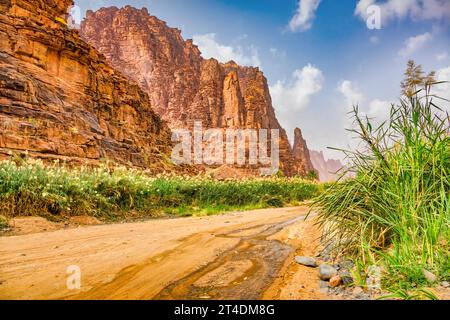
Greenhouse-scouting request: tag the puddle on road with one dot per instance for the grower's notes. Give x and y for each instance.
(242, 273)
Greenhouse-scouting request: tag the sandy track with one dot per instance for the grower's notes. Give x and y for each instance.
(234, 256)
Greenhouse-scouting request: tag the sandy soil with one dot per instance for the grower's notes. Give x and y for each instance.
(235, 256)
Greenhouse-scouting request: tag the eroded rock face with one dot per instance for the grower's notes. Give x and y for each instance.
(60, 99)
(328, 169)
(233, 103)
(184, 87)
(147, 51)
(301, 152)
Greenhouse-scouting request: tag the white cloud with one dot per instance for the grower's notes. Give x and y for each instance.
(304, 16)
(295, 94)
(351, 93)
(210, 48)
(379, 110)
(74, 18)
(443, 90)
(401, 9)
(376, 109)
(442, 56)
(413, 44)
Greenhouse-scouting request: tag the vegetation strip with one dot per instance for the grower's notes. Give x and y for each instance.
(57, 192)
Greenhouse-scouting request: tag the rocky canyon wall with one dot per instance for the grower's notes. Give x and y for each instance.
(184, 87)
(60, 99)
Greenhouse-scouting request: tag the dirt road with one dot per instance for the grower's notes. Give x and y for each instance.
(235, 256)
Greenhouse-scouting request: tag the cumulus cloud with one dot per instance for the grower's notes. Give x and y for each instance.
(211, 48)
(413, 44)
(304, 16)
(401, 9)
(295, 94)
(379, 109)
(351, 93)
(443, 90)
(376, 109)
(291, 96)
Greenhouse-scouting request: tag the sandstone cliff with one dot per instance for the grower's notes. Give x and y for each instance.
(327, 169)
(184, 87)
(301, 152)
(60, 99)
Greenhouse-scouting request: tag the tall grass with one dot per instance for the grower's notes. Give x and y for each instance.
(395, 212)
(57, 192)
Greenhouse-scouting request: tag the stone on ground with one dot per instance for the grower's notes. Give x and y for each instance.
(431, 277)
(335, 281)
(306, 261)
(326, 272)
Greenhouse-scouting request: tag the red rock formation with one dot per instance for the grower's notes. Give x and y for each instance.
(60, 99)
(233, 115)
(328, 169)
(301, 152)
(183, 86)
(147, 51)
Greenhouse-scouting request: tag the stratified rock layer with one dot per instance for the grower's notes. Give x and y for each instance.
(184, 87)
(60, 99)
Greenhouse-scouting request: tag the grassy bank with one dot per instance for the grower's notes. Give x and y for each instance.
(395, 213)
(57, 192)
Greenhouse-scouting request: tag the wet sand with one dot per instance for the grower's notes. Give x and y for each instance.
(243, 255)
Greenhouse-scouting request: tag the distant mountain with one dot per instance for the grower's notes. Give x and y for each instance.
(327, 169)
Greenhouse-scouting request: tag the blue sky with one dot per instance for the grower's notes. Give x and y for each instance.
(319, 55)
